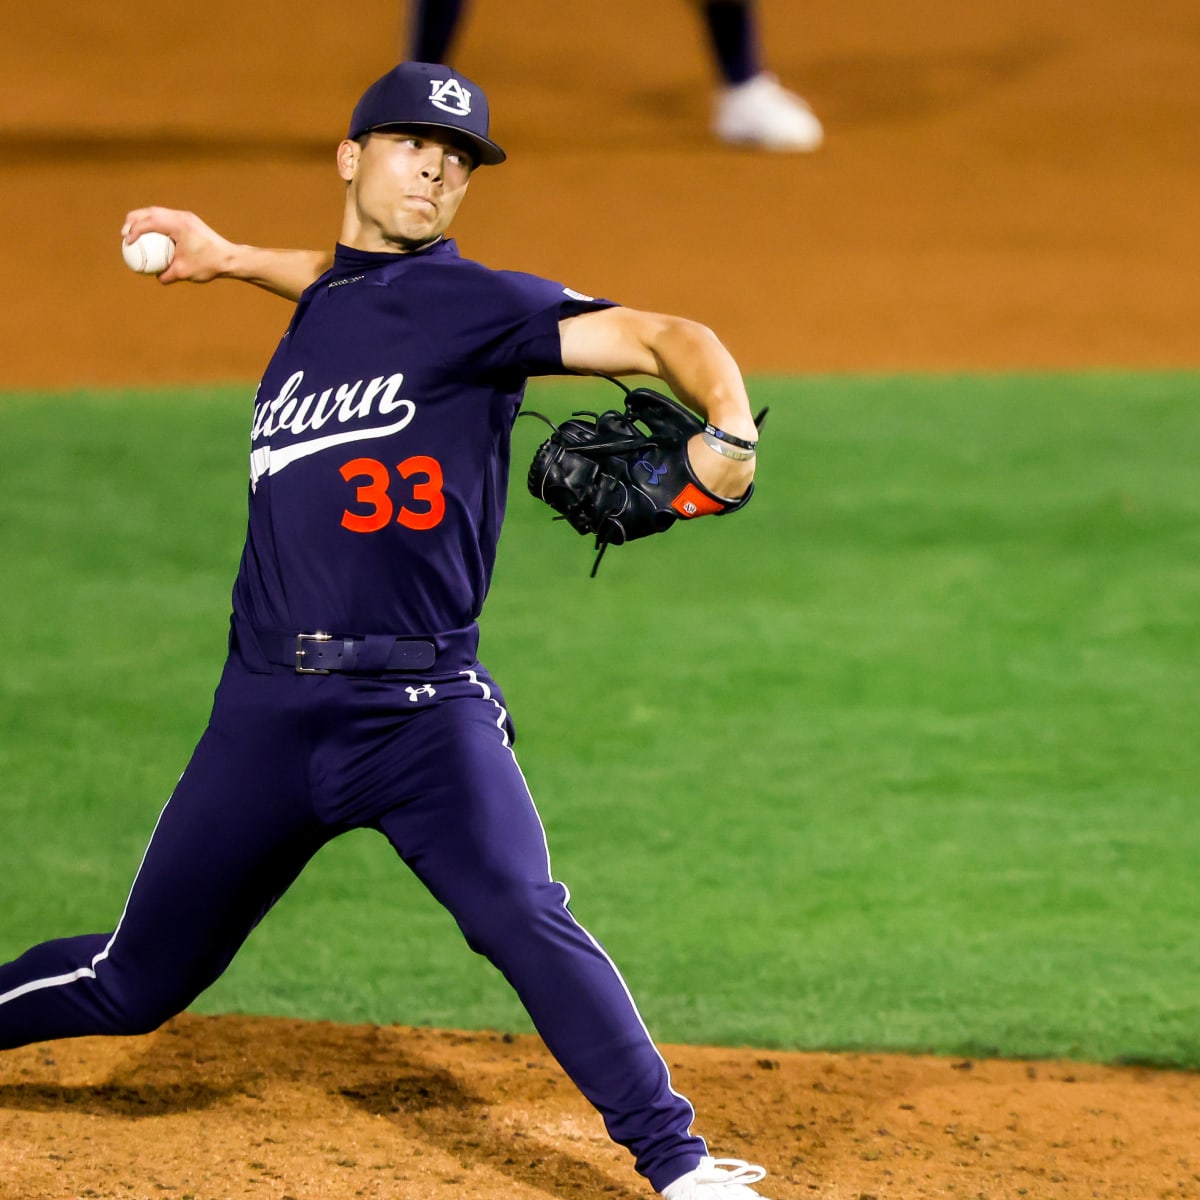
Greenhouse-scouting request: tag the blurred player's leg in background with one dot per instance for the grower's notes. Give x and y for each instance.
(751, 107)
(432, 25)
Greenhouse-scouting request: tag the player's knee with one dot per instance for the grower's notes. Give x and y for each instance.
(513, 913)
(140, 1005)
(143, 1014)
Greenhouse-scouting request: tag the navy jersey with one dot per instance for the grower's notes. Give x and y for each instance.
(380, 448)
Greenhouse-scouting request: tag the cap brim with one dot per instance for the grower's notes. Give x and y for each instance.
(487, 153)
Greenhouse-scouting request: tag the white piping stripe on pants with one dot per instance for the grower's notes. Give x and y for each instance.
(89, 972)
(500, 723)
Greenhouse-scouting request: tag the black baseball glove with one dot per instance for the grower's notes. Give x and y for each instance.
(625, 475)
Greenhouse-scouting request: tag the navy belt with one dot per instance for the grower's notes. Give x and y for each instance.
(320, 653)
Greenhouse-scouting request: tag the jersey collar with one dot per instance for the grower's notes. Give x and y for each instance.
(349, 261)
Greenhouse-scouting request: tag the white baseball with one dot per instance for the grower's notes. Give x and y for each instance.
(151, 254)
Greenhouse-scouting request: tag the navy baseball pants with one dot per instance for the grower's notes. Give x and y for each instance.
(289, 762)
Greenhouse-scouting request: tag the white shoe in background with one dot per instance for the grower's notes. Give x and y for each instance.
(761, 112)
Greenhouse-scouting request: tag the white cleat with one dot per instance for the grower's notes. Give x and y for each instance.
(717, 1179)
(761, 112)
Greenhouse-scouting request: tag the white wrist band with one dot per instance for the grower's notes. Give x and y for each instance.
(715, 443)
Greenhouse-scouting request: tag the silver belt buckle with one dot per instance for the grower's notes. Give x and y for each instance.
(301, 638)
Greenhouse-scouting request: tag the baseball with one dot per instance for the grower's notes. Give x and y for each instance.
(151, 254)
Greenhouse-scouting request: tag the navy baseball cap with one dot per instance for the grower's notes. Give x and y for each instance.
(417, 93)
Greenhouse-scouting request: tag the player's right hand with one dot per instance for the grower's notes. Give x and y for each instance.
(201, 254)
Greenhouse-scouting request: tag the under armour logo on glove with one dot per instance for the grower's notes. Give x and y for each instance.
(654, 473)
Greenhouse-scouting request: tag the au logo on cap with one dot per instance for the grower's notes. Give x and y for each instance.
(450, 96)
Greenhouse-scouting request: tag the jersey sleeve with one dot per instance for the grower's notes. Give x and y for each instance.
(525, 339)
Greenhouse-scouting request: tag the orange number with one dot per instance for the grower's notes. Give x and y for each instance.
(428, 490)
(373, 494)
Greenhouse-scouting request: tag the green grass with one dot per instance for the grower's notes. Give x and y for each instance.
(903, 757)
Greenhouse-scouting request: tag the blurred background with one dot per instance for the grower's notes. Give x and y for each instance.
(1005, 185)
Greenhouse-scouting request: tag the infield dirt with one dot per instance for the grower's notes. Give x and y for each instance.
(1004, 186)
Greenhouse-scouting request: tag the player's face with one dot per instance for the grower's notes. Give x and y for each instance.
(405, 185)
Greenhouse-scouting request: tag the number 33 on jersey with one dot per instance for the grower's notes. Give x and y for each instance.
(374, 496)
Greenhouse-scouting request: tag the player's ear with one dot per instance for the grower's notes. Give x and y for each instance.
(348, 154)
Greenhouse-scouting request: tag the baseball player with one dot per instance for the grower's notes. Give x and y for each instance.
(352, 695)
(751, 108)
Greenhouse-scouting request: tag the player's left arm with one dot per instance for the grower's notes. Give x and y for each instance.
(690, 359)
